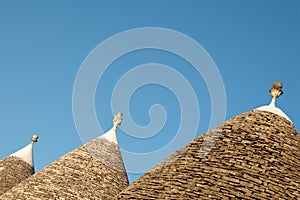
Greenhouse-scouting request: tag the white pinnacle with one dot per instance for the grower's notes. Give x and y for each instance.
(275, 92)
(26, 152)
(111, 135)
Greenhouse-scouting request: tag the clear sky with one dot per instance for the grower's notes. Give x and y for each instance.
(43, 46)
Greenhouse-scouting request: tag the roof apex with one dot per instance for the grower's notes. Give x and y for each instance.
(111, 135)
(275, 91)
(26, 152)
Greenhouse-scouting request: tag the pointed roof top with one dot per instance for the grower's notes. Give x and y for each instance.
(111, 135)
(16, 167)
(275, 91)
(26, 152)
(254, 155)
(92, 171)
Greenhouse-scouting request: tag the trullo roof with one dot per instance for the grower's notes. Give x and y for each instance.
(92, 171)
(255, 155)
(16, 167)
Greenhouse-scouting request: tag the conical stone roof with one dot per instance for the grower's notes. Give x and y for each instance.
(16, 167)
(92, 171)
(255, 155)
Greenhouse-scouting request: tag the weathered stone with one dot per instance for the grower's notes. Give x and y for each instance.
(93, 171)
(255, 155)
(13, 170)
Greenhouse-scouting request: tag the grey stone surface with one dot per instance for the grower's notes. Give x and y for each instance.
(255, 155)
(101, 149)
(12, 171)
(77, 175)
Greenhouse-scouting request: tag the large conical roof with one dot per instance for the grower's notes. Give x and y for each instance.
(93, 171)
(255, 155)
(16, 167)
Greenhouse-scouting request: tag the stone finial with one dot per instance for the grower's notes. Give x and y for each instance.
(26, 152)
(34, 138)
(276, 90)
(118, 119)
(111, 135)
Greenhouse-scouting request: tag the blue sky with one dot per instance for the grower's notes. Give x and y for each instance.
(44, 44)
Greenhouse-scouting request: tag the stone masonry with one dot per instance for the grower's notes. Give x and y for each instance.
(255, 155)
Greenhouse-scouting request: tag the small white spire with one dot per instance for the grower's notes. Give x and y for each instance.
(111, 135)
(273, 102)
(26, 152)
(275, 91)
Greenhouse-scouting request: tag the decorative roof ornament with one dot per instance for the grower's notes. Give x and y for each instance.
(111, 135)
(34, 138)
(26, 152)
(275, 91)
(118, 119)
